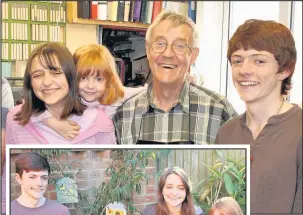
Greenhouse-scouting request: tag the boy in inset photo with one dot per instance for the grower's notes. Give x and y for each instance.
(32, 173)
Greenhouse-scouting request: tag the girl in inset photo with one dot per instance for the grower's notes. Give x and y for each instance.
(174, 195)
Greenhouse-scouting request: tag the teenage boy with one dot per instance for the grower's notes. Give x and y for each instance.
(32, 173)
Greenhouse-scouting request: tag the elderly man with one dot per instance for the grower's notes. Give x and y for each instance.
(172, 110)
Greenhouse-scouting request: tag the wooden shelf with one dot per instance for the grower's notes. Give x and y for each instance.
(72, 17)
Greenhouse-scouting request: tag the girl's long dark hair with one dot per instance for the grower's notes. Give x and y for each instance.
(188, 203)
(46, 53)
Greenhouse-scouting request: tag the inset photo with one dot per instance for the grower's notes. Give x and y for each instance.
(120, 181)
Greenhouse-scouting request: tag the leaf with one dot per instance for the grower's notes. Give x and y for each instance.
(217, 165)
(204, 195)
(212, 170)
(199, 184)
(229, 186)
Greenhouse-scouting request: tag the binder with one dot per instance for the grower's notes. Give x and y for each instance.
(112, 9)
(126, 10)
(86, 9)
(131, 11)
(120, 11)
(157, 7)
(137, 10)
(192, 5)
(143, 12)
(102, 10)
(94, 10)
(150, 5)
(80, 8)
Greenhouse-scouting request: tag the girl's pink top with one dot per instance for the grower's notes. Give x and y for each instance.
(96, 128)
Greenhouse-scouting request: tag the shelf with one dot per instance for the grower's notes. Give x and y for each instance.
(113, 25)
(106, 24)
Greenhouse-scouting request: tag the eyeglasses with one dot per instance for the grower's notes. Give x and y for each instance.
(179, 48)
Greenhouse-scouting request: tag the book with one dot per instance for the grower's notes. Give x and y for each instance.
(157, 7)
(86, 9)
(126, 10)
(176, 6)
(120, 11)
(192, 5)
(137, 10)
(102, 10)
(131, 11)
(150, 5)
(183, 8)
(94, 10)
(112, 9)
(143, 12)
(79, 9)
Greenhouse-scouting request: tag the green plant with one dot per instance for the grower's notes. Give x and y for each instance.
(127, 173)
(226, 177)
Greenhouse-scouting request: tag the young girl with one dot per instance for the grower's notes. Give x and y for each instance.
(50, 88)
(99, 86)
(226, 206)
(174, 195)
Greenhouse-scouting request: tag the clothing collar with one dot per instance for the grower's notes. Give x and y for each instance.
(276, 119)
(144, 102)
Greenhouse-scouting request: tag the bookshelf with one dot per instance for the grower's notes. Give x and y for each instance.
(72, 17)
(28, 23)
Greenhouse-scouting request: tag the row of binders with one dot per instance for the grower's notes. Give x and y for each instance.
(4, 10)
(4, 51)
(5, 31)
(19, 51)
(19, 11)
(40, 33)
(18, 31)
(133, 11)
(39, 13)
(56, 13)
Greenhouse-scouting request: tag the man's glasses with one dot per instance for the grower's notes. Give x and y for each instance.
(179, 48)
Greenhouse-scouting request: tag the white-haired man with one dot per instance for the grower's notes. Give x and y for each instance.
(172, 110)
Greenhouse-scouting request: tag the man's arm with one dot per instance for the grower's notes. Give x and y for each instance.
(7, 96)
(297, 206)
(228, 111)
(118, 126)
(2, 150)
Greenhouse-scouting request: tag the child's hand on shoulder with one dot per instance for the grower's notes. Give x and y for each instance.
(65, 128)
(69, 129)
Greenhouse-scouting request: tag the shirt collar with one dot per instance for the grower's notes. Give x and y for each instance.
(275, 119)
(145, 101)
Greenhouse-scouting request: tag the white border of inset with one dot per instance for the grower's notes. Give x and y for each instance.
(193, 147)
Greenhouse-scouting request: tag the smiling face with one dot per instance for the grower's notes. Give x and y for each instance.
(174, 192)
(168, 67)
(92, 87)
(50, 86)
(255, 75)
(33, 183)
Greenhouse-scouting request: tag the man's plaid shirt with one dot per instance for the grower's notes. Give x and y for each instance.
(197, 117)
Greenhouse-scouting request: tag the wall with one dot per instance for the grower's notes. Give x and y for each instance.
(78, 35)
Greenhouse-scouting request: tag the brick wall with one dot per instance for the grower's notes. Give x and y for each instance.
(93, 165)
